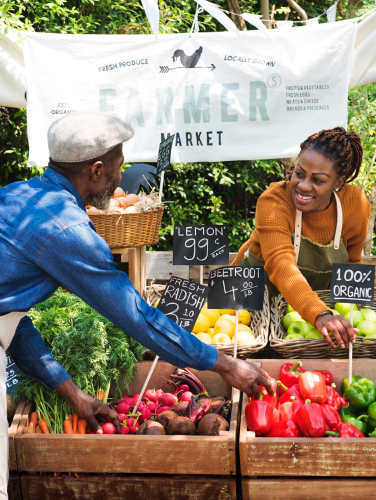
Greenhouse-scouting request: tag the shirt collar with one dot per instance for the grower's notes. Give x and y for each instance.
(53, 177)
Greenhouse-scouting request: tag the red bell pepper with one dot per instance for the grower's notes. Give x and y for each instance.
(289, 375)
(310, 420)
(332, 397)
(288, 410)
(331, 415)
(273, 400)
(259, 415)
(275, 415)
(342, 402)
(287, 428)
(328, 376)
(288, 392)
(312, 387)
(345, 430)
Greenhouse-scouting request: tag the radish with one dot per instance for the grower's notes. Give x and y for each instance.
(124, 429)
(186, 396)
(122, 417)
(152, 406)
(161, 409)
(128, 401)
(89, 431)
(135, 396)
(122, 408)
(108, 428)
(145, 414)
(159, 393)
(184, 387)
(142, 404)
(132, 425)
(151, 395)
(167, 399)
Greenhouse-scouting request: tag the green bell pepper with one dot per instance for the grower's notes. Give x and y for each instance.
(360, 394)
(372, 417)
(357, 422)
(345, 383)
(372, 434)
(346, 411)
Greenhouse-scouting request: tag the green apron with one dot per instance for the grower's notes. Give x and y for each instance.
(314, 260)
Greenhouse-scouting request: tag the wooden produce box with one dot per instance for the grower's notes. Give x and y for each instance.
(134, 454)
(36, 487)
(12, 430)
(14, 486)
(327, 456)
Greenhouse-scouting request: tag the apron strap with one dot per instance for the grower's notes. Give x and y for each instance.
(298, 228)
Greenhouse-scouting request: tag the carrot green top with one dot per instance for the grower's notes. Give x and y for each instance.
(271, 240)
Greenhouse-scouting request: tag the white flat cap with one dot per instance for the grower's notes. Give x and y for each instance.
(84, 135)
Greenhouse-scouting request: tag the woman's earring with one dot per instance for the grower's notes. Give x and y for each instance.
(337, 189)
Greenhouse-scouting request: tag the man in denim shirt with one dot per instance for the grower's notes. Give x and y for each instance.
(47, 240)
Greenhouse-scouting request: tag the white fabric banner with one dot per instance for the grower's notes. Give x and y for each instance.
(222, 100)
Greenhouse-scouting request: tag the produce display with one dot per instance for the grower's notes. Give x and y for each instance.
(308, 405)
(187, 411)
(217, 326)
(296, 328)
(124, 203)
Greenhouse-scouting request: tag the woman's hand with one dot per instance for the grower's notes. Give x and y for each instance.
(341, 329)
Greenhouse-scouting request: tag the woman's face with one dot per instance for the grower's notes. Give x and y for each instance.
(313, 182)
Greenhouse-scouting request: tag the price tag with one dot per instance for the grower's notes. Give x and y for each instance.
(353, 283)
(198, 245)
(237, 287)
(164, 155)
(182, 301)
(12, 374)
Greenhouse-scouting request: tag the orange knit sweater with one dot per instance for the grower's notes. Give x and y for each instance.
(271, 240)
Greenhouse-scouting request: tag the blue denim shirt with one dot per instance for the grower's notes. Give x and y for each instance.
(47, 240)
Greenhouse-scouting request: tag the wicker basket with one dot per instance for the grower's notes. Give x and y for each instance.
(129, 230)
(259, 325)
(312, 348)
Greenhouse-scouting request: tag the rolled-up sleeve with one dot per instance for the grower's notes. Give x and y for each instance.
(78, 258)
(34, 358)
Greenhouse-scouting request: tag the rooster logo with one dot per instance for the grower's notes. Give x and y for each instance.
(188, 61)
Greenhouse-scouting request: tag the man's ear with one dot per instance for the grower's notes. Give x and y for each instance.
(97, 170)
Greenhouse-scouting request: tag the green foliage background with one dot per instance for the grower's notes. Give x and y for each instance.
(199, 192)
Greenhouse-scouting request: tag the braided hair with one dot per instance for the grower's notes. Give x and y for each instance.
(343, 148)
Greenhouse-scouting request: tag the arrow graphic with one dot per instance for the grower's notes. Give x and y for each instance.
(166, 69)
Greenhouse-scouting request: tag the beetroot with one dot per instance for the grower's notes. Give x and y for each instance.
(184, 387)
(211, 424)
(182, 409)
(151, 395)
(181, 426)
(122, 408)
(145, 414)
(161, 409)
(151, 428)
(152, 406)
(122, 417)
(186, 396)
(132, 425)
(124, 429)
(165, 418)
(167, 399)
(108, 428)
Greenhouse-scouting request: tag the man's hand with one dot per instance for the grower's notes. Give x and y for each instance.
(341, 329)
(92, 410)
(243, 375)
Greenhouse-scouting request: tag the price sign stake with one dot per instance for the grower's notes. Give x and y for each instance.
(164, 158)
(352, 284)
(237, 287)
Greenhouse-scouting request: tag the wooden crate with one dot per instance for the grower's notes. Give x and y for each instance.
(12, 430)
(308, 488)
(329, 456)
(135, 454)
(36, 487)
(14, 486)
(135, 259)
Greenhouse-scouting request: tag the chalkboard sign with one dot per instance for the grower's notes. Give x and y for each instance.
(12, 374)
(164, 155)
(237, 287)
(198, 245)
(182, 301)
(353, 283)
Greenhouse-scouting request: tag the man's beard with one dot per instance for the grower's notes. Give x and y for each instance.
(101, 200)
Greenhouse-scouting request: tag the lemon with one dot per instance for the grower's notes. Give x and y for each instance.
(156, 302)
(212, 314)
(211, 332)
(202, 324)
(244, 338)
(204, 337)
(244, 317)
(221, 338)
(244, 328)
(228, 316)
(227, 311)
(224, 325)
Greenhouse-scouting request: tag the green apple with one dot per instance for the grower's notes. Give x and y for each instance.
(289, 309)
(366, 328)
(372, 336)
(343, 309)
(290, 318)
(369, 314)
(293, 336)
(357, 317)
(335, 313)
(313, 334)
(299, 327)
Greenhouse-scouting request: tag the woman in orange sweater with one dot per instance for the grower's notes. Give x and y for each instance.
(300, 231)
